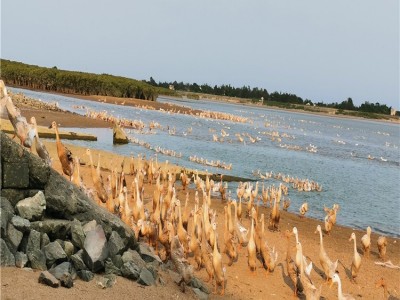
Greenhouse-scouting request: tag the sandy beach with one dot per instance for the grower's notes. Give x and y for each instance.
(241, 283)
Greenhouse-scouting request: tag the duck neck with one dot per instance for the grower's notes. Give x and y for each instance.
(340, 293)
(321, 241)
(57, 134)
(355, 246)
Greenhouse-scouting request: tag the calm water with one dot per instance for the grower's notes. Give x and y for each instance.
(368, 191)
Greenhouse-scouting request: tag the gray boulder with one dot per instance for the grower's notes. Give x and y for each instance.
(77, 234)
(130, 270)
(21, 259)
(54, 228)
(77, 261)
(197, 283)
(200, 294)
(146, 277)
(33, 241)
(6, 214)
(85, 275)
(16, 195)
(21, 224)
(61, 269)
(95, 249)
(107, 281)
(46, 278)
(89, 226)
(37, 260)
(44, 240)
(6, 257)
(133, 256)
(54, 253)
(32, 208)
(14, 238)
(67, 281)
(116, 245)
(39, 172)
(69, 248)
(147, 253)
(110, 268)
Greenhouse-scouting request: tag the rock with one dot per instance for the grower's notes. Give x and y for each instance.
(37, 260)
(77, 234)
(33, 241)
(54, 253)
(153, 268)
(146, 278)
(32, 208)
(21, 224)
(110, 268)
(61, 242)
(15, 175)
(85, 275)
(200, 294)
(89, 226)
(107, 281)
(39, 172)
(147, 253)
(95, 249)
(46, 278)
(16, 195)
(116, 245)
(14, 238)
(44, 240)
(197, 283)
(61, 269)
(66, 281)
(69, 248)
(54, 228)
(6, 214)
(7, 258)
(133, 256)
(21, 259)
(130, 270)
(175, 277)
(117, 261)
(77, 260)
(119, 136)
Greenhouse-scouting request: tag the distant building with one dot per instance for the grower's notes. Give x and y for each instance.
(393, 112)
(171, 87)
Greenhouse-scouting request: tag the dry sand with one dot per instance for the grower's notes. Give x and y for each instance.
(241, 284)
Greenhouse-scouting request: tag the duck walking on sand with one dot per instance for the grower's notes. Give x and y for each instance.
(40, 147)
(64, 154)
(356, 263)
(366, 242)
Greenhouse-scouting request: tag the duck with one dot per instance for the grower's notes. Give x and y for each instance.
(182, 233)
(251, 250)
(356, 262)
(64, 154)
(366, 242)
(230, 245)
(97, 181)
(291, 267)
(328, 225)
(163, 238)
(219, 271)
(194, 244)
(310, 290)
(286, 204)
(303, 209)
(328, 266)
(185, 215)
(382, 243)
(274, 216)
(269, 256)
(341, 296)
(240, 231)
(206, 257)
(24, 131)
(239, 209)
(40, 147)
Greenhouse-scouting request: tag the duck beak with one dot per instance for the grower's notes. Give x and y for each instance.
(50, 126)
(330, 286)
(349, 239)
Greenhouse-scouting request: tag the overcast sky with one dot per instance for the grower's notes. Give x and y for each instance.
(318, 49)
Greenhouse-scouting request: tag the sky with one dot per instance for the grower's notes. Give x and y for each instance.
(320, 50)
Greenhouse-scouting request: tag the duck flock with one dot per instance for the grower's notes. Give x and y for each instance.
(177, 229)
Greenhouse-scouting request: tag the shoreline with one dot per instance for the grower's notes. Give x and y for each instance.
(138, 102)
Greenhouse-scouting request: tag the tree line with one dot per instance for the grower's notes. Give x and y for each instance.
(72, 82)
(261, 94)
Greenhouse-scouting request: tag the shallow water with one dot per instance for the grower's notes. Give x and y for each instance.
(367, 190)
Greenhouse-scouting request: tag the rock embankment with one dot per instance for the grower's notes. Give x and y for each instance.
(49, 224)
